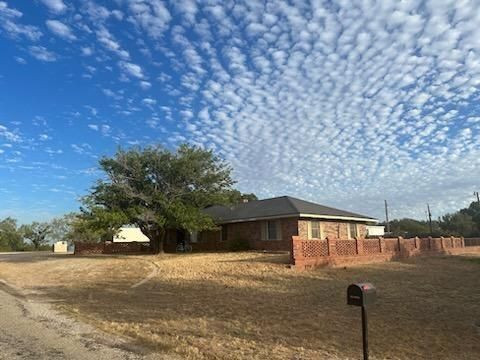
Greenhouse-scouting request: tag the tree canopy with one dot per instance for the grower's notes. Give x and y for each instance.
(157, 189)
(10, 237)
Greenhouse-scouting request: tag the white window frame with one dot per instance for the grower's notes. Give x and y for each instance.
(320, 230)
(349, 232)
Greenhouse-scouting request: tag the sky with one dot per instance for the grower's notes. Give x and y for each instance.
(344, 103)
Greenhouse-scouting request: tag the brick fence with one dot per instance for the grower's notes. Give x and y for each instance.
(308, 254)
(472, 241)
(82, 248)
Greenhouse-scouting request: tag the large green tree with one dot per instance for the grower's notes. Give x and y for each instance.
(10, 236)
(157, 189)
(37, 233)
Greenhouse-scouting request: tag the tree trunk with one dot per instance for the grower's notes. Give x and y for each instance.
(157, 238)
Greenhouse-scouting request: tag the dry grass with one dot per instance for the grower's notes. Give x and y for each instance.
(251, 306)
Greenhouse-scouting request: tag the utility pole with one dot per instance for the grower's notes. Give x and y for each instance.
(386, 217)
(430, 218)
(475, 193)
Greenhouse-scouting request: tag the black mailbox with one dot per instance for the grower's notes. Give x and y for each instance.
(361, 294)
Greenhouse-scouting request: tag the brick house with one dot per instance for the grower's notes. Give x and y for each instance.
(270, 224)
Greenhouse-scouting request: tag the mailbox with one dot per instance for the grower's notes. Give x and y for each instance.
(361, 294)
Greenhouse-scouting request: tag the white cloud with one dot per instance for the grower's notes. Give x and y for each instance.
(20, 60)
(56, 6)
(93, 127)
(60, 29)
(131, 69)
(149, 101)
(87, 51)
(42, 54)
(152, 16)
(109, 42)
(8, 22)
(145, 85)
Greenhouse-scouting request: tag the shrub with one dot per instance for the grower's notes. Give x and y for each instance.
(239, 244)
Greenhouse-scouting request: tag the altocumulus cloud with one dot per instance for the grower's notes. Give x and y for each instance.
(342, 102)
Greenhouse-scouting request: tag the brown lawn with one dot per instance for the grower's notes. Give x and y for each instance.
(252, 306)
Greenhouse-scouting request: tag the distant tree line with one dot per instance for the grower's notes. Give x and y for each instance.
(464, 222)
(34, 236)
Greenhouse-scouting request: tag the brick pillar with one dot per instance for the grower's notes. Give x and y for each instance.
(417, 242)
(382, 244)
(332, 247)
(452, 239)
(463, 241)
(429, 243)
(296, 253)
(442, 242)
(359, 245)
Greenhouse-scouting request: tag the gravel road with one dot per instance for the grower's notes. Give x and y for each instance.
(30, 329)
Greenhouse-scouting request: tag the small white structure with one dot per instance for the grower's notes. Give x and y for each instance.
(130, 234)
(375, 230)
(60, 247)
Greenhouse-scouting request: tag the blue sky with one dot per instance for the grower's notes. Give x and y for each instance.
(339, 102)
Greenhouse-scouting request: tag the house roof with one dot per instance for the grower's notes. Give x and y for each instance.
(284, 206)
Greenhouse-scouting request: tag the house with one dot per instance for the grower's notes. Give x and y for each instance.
(270, 224)
(265, 225)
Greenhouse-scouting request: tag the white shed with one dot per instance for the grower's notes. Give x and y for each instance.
(375, 230)
(60, 247)
(130, 234)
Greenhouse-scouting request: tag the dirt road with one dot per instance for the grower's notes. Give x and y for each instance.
(32, 329)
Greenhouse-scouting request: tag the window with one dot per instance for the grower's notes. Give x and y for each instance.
(352, 231)
(271, 230)
(224, 232)
(315, 230)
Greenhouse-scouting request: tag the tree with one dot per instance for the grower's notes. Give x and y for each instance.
(61, 227)
(474, 212)
(458, 223)
(235, 197)
(157, 189)
(411, 227)
(37, 233)
(10, 236)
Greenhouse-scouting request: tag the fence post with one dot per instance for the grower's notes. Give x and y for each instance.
(417, 242)
(452, 241)
(442, 244)
(359, 245)
(381, 240)
(462, 241)
(332, 247)
(400, 245)
(297, 253)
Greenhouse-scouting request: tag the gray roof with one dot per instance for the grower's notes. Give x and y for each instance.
(283, 206)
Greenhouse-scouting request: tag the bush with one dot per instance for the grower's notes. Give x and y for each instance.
(239, 244)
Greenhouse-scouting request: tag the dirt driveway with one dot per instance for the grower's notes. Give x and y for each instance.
(32, 329)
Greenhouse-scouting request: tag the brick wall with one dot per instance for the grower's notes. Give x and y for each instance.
(332, 229)
(112, 248)
(251, 232)
(307, 254)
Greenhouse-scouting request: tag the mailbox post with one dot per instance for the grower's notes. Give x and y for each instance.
(362, 294)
